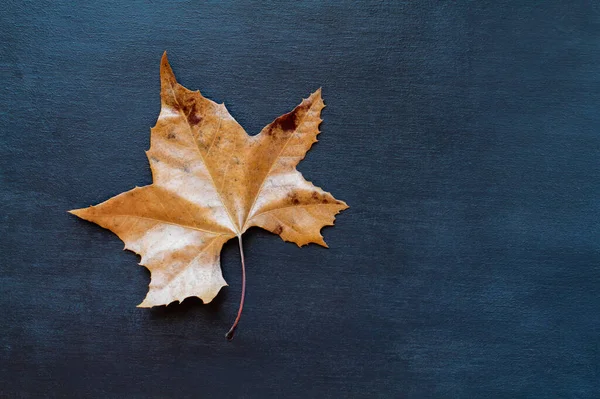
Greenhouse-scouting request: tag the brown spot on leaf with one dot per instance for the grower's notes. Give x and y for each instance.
(315, 195)
(189, 110)
(287, 121)
(278, 229)
(171, 136)
(192, 118)
(294, 198)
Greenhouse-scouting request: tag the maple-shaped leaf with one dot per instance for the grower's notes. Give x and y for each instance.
(212, 182)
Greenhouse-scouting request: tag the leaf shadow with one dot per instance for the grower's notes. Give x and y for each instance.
(191, 307)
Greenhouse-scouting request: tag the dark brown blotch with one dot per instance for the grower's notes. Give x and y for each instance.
(294, 198)
(189, 109)
(287, 121)
(192, 117)
(171, 136)
(278, 229)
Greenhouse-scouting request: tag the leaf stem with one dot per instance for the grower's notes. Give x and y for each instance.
(231, 331)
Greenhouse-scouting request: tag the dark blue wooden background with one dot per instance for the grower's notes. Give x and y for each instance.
(464, 135)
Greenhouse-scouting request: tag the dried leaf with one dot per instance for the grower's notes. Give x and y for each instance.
(212, 182)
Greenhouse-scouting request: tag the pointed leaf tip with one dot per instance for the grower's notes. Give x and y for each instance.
(75, 212)
(316, 93)
(83, 213)
(166, 73)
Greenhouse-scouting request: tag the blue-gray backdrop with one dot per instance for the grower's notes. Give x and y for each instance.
(464, 135)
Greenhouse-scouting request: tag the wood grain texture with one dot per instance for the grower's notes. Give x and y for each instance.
(463, 134)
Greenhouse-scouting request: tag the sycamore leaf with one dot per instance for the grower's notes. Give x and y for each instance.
(212, 182)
